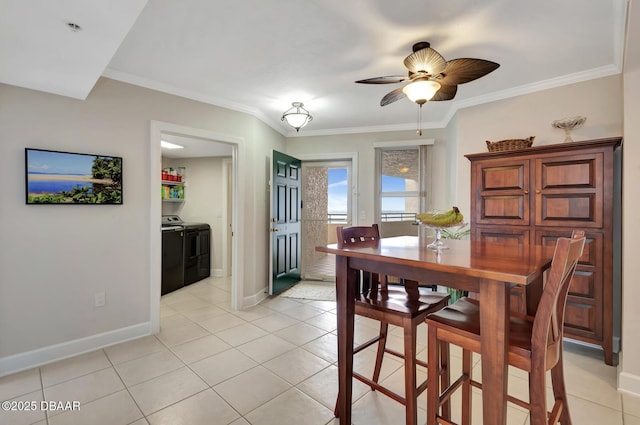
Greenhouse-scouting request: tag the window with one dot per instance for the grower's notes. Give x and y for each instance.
(401, 186)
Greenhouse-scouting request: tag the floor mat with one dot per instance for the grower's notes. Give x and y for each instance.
(312, 290)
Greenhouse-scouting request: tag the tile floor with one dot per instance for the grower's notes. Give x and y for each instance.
(271, 364)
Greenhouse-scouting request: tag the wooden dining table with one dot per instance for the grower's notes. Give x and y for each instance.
(488, 269)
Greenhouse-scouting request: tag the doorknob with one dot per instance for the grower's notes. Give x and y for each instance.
(274, 229)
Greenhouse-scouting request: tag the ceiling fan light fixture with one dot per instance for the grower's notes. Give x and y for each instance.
(297, 117)
(421, 91)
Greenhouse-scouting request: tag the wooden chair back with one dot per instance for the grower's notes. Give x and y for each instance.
(361, 236)
(547, 325)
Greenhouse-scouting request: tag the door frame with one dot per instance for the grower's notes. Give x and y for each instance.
(333, 163)
(339, 156)
(157, 128)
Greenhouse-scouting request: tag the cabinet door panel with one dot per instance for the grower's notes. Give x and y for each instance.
(585, 302)
(581, 320)
(567, 191)
(503, 197)
(512, 236)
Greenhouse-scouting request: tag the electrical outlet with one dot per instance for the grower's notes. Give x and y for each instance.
(100, 299)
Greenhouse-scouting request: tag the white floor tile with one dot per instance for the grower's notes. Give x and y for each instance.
(291, 407)
(134, 349)
(27, 412)
(325, 347)
(148, 367)
(200, 348)
(302, 312)
(266, 348)
(86, 388)
(222, 322)
(241, 334)
(203, 408)
(297, 365)
(222, 366)
(73, 367)
(275, 322)
(180, 334)
(327, 321)
(114, 409)
(19, 383)
(300, 334)
(251, 389)
(167, 389)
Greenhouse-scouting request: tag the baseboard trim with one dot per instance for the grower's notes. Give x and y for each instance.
(255, 299)
(218, 273)
(30, 359)
(629, 383)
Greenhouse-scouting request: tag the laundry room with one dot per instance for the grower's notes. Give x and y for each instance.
(196, 210)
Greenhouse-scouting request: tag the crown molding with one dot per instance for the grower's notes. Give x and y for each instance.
(456, 105)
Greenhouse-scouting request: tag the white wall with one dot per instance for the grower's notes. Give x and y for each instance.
(629, 379)
(55, 258)
(204, 202)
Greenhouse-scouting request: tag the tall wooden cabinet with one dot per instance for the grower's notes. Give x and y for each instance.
(534, 196)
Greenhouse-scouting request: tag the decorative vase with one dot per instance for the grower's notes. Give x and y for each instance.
(568, 125)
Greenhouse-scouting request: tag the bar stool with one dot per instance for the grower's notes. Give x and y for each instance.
(535, 344)
(403, 306)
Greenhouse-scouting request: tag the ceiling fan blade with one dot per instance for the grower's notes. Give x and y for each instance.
(389, 79)
(392, 96)
(463, 70)
(425, 60)
(446, 92)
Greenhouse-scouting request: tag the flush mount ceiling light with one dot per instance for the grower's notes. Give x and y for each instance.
(167, 145)
(297, 117)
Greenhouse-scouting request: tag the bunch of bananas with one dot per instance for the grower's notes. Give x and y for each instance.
(441, 219)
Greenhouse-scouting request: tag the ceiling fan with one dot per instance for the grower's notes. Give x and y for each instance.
(431, 77)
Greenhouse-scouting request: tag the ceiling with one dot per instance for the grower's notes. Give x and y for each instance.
(258, 56)
(195, 148)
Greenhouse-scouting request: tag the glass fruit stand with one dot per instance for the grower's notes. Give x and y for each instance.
(441, 222)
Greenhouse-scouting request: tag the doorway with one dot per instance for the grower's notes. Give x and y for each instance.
(157, 131)
(327, 192)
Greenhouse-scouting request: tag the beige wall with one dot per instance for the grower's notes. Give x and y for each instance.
(55, 258)
(599, 100)
(629, 379)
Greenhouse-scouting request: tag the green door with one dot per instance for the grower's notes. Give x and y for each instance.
(285, 226)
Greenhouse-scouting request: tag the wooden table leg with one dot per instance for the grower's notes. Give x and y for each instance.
(494, 330)
(345, 304)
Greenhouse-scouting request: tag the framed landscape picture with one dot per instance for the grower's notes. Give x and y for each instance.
(54, 177)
